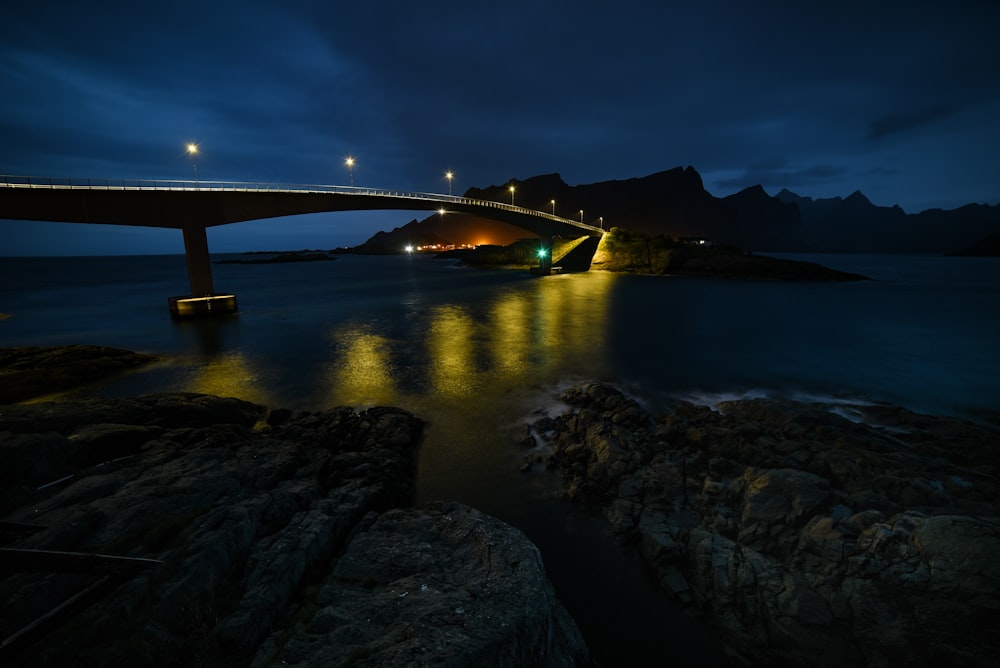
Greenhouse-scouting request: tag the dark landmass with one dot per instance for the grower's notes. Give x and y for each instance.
(805, 537)
(281, 258)
(674, 203)
(32, 371)
(988, 247)
(281, 539)
(855, 225)
(628, 252)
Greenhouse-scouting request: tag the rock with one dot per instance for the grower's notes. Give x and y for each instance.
(807, 538)
(277, 539)
(31, 371)
(439, 585)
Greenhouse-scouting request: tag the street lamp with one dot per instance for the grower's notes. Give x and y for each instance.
(449, 176)
(581, 216)
(511, 195)
(553, 203)
(601, 220)
(350, 165)
(192, 150)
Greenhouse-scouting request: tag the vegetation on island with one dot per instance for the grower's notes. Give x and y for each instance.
(626, 251)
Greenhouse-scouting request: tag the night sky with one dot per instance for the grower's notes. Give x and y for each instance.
(898, 99)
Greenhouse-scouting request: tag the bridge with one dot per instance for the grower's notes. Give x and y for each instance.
(194, 206)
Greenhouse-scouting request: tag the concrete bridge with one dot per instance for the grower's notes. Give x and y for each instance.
(194, 206)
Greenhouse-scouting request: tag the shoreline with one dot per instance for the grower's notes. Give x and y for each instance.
(598, 428)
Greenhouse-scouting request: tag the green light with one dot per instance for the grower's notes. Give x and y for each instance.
(541, 252)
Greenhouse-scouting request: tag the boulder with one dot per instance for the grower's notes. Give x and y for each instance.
(807, 538)
(260, 542)
(438, 585)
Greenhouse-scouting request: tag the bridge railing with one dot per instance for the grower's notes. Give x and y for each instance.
(59, 183)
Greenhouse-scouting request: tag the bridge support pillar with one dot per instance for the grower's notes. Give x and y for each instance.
(202, 301)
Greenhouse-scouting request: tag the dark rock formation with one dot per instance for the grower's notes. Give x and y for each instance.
(274, 535)
(988, 247)
(28, 372)
(438, 585)
(629, 252)
(809, 538)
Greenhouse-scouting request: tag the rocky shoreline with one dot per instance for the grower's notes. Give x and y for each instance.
(265, 537)
(805, 534)
(805, 537)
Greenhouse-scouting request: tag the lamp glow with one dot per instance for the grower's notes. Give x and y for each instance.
(192, 150)
(350, 165)
(449, 176)
(511, 195)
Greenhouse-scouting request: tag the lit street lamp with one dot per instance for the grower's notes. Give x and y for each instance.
(601, 219)
(449, 176)
(553, 203)
(512, 195)
(350, 165)
(192, 150)
(581, 216)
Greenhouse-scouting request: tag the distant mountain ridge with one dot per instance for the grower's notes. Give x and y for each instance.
(675, 203)
(854, 224)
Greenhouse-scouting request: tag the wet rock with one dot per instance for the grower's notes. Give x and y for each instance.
(31, 371)
(278, 541)
(439, 585)
(808, 538)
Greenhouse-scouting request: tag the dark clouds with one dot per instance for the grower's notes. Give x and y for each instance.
(823, 98)
(892, 123)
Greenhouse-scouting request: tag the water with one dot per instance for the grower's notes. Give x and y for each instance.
(475, 352)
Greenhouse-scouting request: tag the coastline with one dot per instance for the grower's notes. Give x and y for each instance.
(611, 454)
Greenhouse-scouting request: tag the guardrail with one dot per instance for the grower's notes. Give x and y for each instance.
(57, 183)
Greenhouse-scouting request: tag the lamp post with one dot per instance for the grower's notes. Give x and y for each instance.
(192, 150)
(553, 203)
(511, 195)
(449, 176)
(601, 220)
(350, 165)
(581, 216)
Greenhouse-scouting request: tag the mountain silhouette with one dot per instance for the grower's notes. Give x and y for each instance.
(674, 203)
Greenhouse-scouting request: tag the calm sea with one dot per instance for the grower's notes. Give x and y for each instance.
(474, 352)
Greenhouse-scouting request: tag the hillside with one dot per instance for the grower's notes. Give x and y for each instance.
(675, 204)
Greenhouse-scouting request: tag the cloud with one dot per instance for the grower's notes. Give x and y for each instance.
(777, 174)
(894, 123)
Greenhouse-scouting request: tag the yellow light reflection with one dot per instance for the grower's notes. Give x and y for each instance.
(451, 352)
(229, 375)
(512, 333)
(362, 373)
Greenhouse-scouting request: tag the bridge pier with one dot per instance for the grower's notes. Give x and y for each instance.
(202, 301)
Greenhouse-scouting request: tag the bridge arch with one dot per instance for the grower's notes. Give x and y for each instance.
(194, 206)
